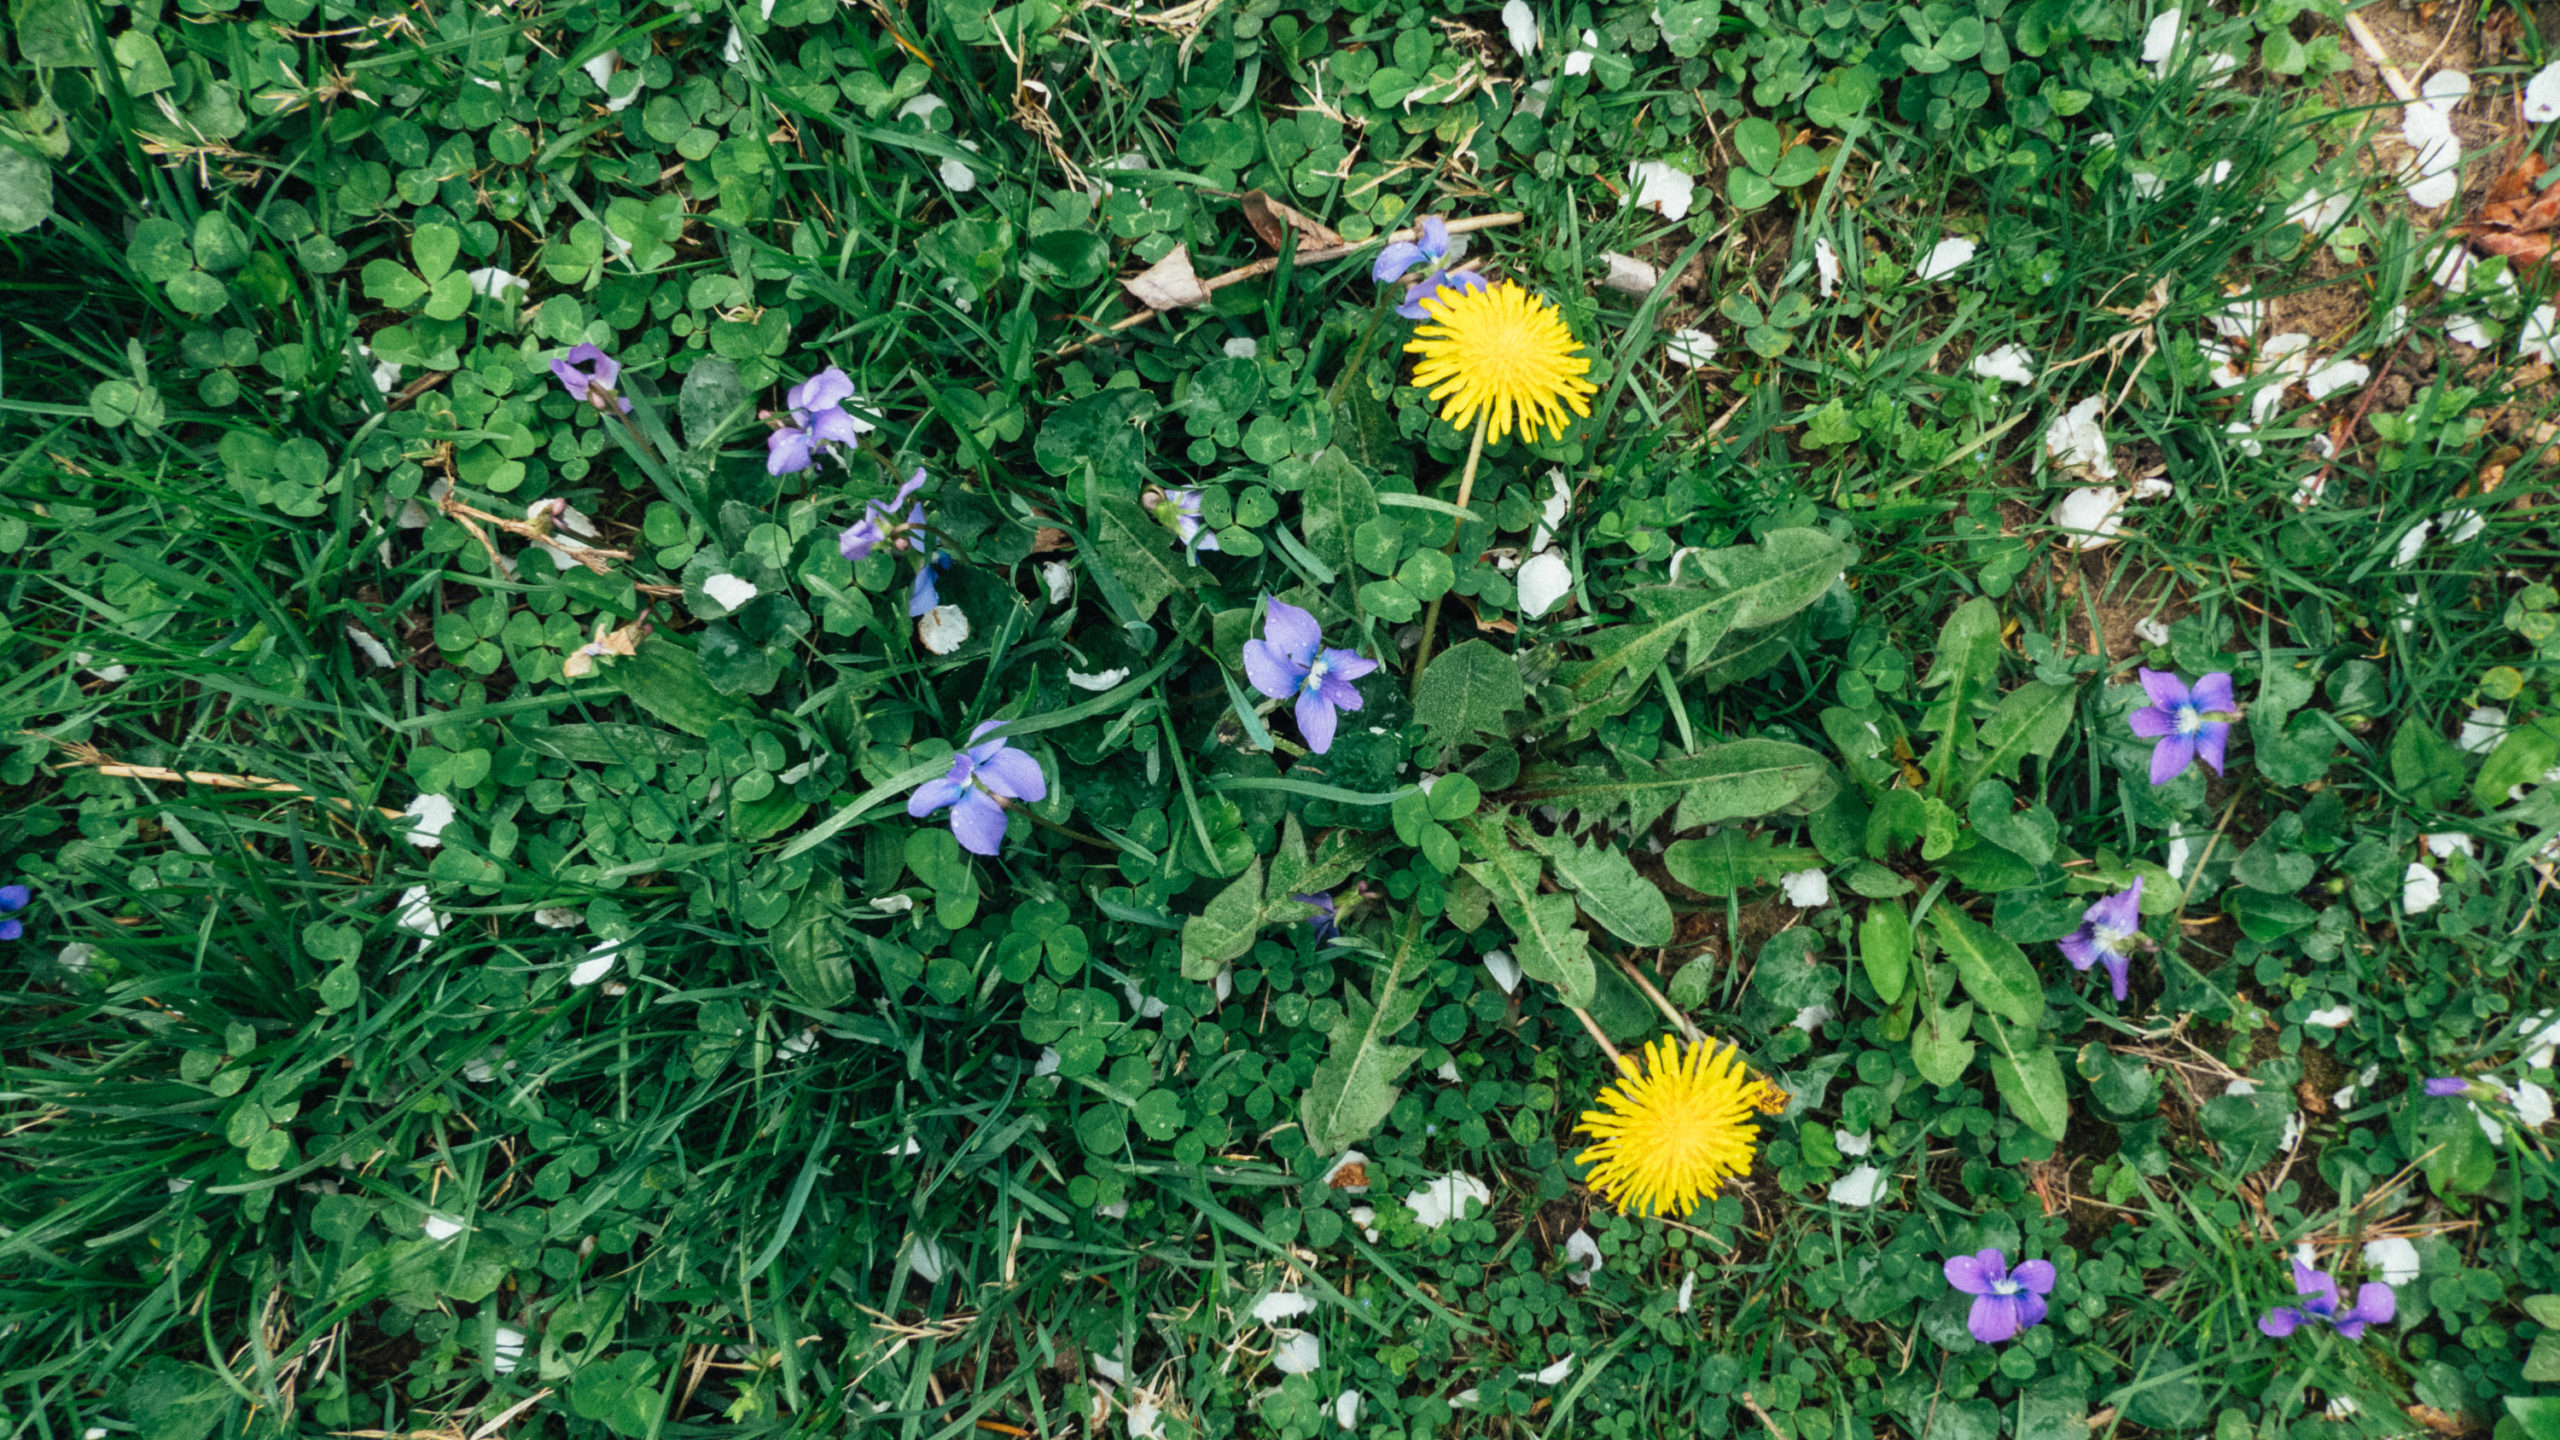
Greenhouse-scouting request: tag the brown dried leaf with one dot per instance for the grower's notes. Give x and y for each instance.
(1271, 220)
(1048, 538)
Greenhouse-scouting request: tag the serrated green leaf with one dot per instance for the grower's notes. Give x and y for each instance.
(1733, 781)
(1546, 942)
(1355, 1087)
(1727, 863)
(1939, 1048)
(1471, 690)
(1139, 552)
(2031, 720)
(1884, 947)
(1226, 928)
(1610, 891)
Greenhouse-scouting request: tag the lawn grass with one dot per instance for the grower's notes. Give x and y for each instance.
(687, 1084)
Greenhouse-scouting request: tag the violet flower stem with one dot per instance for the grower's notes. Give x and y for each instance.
(1466, 487)
(632, 429)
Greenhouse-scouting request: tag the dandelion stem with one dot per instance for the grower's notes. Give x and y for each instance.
(1602, 1040)
(1431, 618)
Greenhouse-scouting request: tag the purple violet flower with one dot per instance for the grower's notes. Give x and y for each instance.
(14, 898)
(2375, 1305)
(2187, 723)
(1180, 510)
(927, 591)
(1434, 248)
(2106, 929)
(2441, 1085)
(2006, 1302)
(981, 779)
(879, 521)
(1323, 922)
(592, 385)
(817, 421)
(1293, 663)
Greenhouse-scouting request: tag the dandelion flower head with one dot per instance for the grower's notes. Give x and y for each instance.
(1674, 1129)
(1502, 352)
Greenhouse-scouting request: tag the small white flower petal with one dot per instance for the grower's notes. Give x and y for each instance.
(1346, 1409)
(1520, 26)
(597, 965)
(1693, 348)
(2443, 844)
(1662, 189)
(2010, 363)
(2336, 1017)
(428, 817)
(1282, 1305)
(1504, 970)
(2482, 729)
(2394, 1258)
(1580, 1248)
(2542, 95)
(1855, 1145)
(1298, 1353)
(439, 1228)
(1812, 1017)
(1241, 347)
(2093, 514)
(1861, 1187)
(1544, 579)
(728, 591)
(506, 1349)
(2328, 379)
(2077, 440)
(1688, 1292)
(1806, 889)
(1826, 266)
(1946, 258)
(1445, 1199)
(1103, 681)
(943, 629)
(2419, 890)
(2160, 39)
(416, 916)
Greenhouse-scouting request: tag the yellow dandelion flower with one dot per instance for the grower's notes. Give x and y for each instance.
(1499, 350)
(1675, 1129)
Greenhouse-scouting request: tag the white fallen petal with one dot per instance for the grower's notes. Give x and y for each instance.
(1806, 889)
(943, 629)
(1520, 26)
(1580, 1248)
(1297, 1353)
(2443, 844)
(428, 815)
(1946, 257)
(728, 591)
(2434, 170)
(2443, 90)
(2292, 1135)
(2077, 439)
(1504, 970)
(506, 1349)
(1282, 1305)
(597, 965)
(2482, 729)
(2419, 890)
(2318, 212)
(1554, 1374)
(1241, 347)
(1861, 1187)
(2240, 1086)
(1048, 1062)
(1544, 579)
(2151, 631)
(2092, 515)
(558, 917)
(2539, 337)
(2394, 1258)
(1445, 1199)
(1688, 1291)
(1662, 189)
(1343, 1162)
(1855, 1145)
(2336, 1017)
(921, 106)
(2238, 320)
(1579, 62)
(2542, 95)
(1693, 348)
(1110, 1367)
(928, 1260)
(1144, 1005)
(439, 1228)
(1103, 681)
(2160, 40)
(733, 49)
(2147, 184)
(1826, 266)
(2532, 1104)
(1059, 578)
(2472, 331)
(2011, 363)
(1812, 1017)
(2328, 379)
(416, 916)
(1145, 1419)
(1346, 1409)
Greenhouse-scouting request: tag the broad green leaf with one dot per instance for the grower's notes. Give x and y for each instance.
(713, 393)
(2031, 720)
(1733, 781)
(1226, 928)
(1994, 972)
(665, 679)
(1631, 651)
(1966, 666)
(1471, 690)
(1727, 863)
(434, 247)
(1938, 1045)
(2537, 1415)
(2029, 1075)
(1355, 1087)
(1338, 500)
(809, 947)
(1625, 903)
(1139, 551)
(1884, 946)
(2523, 755)
(2053, 1409)
(26, 191)
(1548, 945)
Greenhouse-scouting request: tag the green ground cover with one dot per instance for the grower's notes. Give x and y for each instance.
(499, 954)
